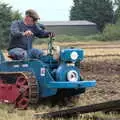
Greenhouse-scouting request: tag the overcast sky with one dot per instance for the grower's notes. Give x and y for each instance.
(49, 10)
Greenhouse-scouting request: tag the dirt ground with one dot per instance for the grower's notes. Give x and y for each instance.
(106, 72)
(104, 69)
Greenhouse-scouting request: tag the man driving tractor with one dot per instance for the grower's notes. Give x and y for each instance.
(22, 33)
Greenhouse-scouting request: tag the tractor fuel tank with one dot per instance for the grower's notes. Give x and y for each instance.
(71, 55)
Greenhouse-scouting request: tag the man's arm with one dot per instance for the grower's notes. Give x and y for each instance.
(15, 30)
(41, 33)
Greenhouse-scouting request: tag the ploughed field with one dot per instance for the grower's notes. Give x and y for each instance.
(102, 63)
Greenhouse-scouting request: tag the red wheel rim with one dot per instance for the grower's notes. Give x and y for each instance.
(23, 100)
(21, 81)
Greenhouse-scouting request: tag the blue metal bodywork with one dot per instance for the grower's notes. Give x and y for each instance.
(50, 73)
(66, 55)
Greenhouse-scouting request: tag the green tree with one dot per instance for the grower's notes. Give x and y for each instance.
(117, 10)
(97, 11)
(6, 17)
(117, 2)
(16, 15)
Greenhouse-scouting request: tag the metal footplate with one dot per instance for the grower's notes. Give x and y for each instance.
(78, 84)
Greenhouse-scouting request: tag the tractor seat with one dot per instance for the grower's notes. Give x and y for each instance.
(12, 57)
(16, 57)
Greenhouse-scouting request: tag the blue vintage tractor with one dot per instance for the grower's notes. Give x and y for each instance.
(26, 81)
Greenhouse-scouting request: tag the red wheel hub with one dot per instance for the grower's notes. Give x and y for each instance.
(8, 92)
(21, 81)
(17, 93)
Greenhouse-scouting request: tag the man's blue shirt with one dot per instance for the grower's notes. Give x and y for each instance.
(17, 40)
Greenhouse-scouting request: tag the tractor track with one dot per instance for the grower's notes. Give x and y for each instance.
(106, 55)
(94, 46)
(100, 47)
(89, 44)
(33, 91)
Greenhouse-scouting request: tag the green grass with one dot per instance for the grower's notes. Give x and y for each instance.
(60, 38)
(75, 38)
(8, 112)
(64, 38)
(13, 114)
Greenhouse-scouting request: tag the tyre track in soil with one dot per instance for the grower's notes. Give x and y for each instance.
(106, 72)
(92, 46)
(105, 69)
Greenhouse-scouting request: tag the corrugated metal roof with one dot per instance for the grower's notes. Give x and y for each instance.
(80, 22)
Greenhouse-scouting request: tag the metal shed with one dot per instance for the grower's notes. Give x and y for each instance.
(81, 27)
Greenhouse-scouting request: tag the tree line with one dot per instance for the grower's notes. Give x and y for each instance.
(7, 15)
(100, 12)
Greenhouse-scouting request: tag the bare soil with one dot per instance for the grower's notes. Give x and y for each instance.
(106, 72)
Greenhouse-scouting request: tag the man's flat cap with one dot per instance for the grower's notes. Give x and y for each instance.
(32, 13)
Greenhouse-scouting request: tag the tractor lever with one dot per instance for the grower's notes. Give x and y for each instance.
(50, 45)
(28, 46)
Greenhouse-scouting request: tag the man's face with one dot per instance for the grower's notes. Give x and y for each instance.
(30, 20)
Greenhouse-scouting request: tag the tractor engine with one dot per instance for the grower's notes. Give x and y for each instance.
(68, 71)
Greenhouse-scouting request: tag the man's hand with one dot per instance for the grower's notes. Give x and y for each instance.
(28, 33)
(51, 34)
